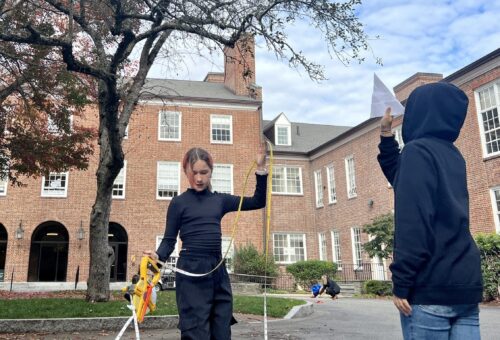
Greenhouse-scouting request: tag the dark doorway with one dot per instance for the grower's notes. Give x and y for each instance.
(48, 253)
(118, 240)
(3, 251)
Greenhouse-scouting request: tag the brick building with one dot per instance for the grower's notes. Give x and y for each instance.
(326, 182)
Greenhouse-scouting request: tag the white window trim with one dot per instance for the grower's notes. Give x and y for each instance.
(322, 255)
(53, 129)
(288, 127)
(231, 167)
(318, 188)
(230, 254)
(65, 192)
(125, 136)
(230, 141)
(159, 126)
(5, 183)
(288, 245)
(286, 192)
(330, 174)
(334, 251)
(124, 169)
(350, 194)
(496, 91)
(178, 179)
(354, 253)
(496, 213)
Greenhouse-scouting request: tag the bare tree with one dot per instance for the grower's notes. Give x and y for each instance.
(111, 30)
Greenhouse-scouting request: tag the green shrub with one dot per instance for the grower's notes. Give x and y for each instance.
(247, 260)
(380, 288)
(489, 247)
(307, 273)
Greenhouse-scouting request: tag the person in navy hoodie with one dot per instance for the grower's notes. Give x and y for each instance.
(205, 303)
(436, 270)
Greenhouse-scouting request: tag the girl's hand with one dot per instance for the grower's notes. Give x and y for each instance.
(261, 157)
(386, 123)
(151, 254)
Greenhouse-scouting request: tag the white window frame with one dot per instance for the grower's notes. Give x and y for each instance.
(318, 186)
(121, 179)
(160, 126)
(496, 208)
(357, 248)
(286, 169)
(225, 241)
(125, 136)
(288, 128)
(332, 191)
(4, 183)
(215, 174)
(336, 250)
(483, 107)
(350, 176)
(52, 128)
(288, 250)
(322, 246)
(398, 135)
(172, 259)
(159, 164)
(56, 194)
(230, 123)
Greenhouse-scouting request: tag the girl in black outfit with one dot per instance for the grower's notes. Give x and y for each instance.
(204, 303)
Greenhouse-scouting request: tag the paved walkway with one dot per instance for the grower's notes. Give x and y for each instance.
(345, 318)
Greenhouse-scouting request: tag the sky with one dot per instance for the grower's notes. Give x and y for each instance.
(432, 36)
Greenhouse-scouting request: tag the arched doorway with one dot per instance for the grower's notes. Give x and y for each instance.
(3, 251)
(48, 253)
(118, 240)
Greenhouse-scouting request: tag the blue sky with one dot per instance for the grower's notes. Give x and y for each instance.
(438, 36)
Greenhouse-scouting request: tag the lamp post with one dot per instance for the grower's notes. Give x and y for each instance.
(20, 231)
(80, 233)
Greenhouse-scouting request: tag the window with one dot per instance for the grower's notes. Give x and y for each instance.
(55, 184)
(495, 199)
(488, 103)
(221, 127)
(283, 136)
(287, 180)
(169, 279)
(318, 183)
(119, 183)
(398, 135)
(53, 127)
(228, 246)
(350, 176)
(337, 257)
(169, 126)
(125, 136)
(168, 180)
(332, 194)
(322, 246)
(222, 178)
(356, 248)
(4, 181)
(289, 248)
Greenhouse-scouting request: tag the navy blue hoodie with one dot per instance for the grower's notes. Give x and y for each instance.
(436, 260)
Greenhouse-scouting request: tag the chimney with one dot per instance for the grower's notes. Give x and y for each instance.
(403, 89)
(239, 68)
(214, 77)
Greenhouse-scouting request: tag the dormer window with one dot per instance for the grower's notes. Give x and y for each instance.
(283, 135)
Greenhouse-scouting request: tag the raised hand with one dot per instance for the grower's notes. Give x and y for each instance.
(260, 159)
(386, 123)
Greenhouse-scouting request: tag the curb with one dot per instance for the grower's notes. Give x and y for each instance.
(112, 323)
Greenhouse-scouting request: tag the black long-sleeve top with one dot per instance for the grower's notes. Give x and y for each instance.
(196, 217)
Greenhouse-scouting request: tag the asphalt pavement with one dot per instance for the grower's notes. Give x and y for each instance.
(345, 318)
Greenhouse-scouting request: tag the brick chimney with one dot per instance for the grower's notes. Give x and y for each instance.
(239, 68)
(214, 77)
(403, 89)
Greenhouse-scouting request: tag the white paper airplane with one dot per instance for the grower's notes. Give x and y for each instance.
(382, 98)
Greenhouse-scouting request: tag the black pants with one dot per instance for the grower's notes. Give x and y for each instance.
(205, 303)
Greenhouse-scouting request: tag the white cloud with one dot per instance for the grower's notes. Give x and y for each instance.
(437, 36)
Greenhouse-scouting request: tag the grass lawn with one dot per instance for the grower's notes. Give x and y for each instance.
(71, 305)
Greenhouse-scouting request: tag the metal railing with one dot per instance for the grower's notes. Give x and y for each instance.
(365, 271)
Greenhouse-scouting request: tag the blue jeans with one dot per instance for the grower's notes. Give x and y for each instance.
(435, 322)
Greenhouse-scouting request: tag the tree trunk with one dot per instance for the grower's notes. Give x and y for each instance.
(110, 162)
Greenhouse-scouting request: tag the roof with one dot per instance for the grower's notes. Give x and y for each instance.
(306, 137)
(190, 90)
